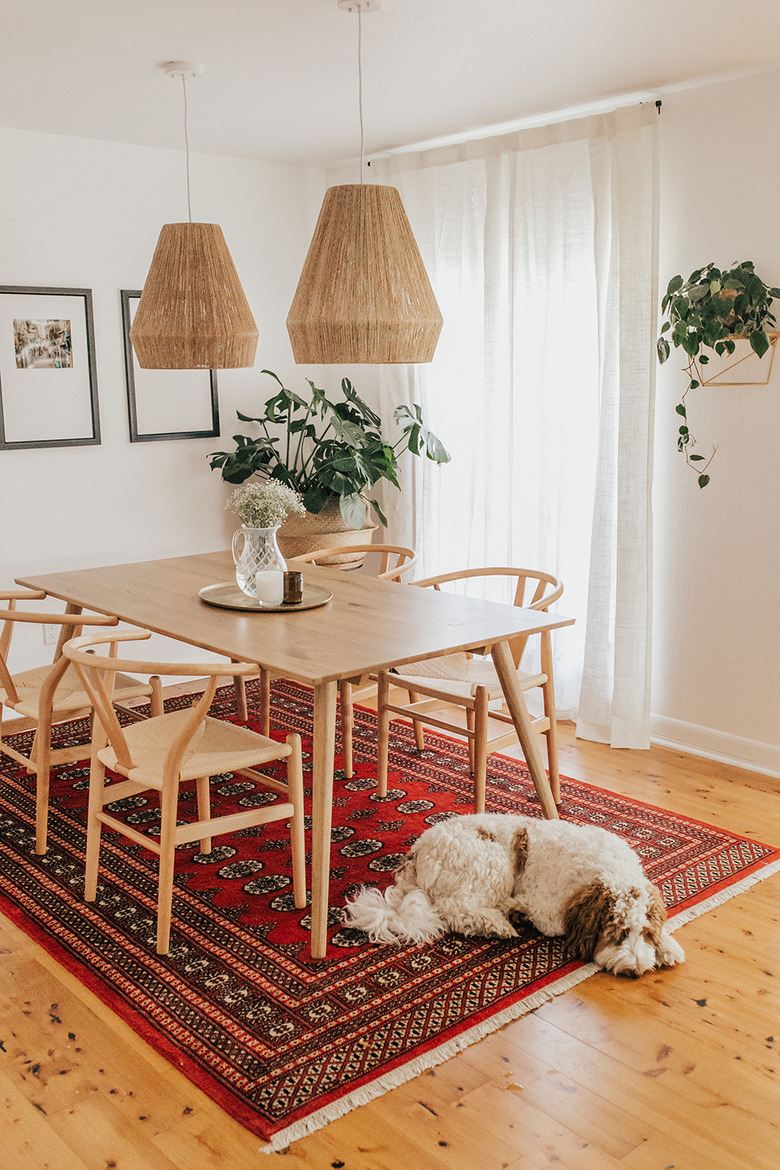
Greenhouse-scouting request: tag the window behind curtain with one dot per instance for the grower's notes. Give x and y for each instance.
(521, 238)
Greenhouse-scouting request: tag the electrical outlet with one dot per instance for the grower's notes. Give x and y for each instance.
(51, 632)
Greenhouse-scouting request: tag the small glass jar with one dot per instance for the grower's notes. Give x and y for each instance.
(293, 587)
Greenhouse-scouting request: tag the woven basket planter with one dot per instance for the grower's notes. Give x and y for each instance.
(325, 529)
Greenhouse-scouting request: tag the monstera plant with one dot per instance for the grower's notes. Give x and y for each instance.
(712, 310)
(326, 448)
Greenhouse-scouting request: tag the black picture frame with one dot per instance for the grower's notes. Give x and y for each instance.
(48, 375)
(199, 403)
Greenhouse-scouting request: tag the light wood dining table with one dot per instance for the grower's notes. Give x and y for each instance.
(367, 626)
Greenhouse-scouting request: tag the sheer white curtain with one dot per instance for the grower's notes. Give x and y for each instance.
(541, 247)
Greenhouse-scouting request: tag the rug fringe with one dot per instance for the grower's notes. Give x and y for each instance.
(722, 896)
(420, 1064)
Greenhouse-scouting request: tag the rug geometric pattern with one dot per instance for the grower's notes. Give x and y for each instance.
(283, 1042)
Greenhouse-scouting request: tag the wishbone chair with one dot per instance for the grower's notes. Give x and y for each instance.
(470, 681)
(171, 749)
(50, 694)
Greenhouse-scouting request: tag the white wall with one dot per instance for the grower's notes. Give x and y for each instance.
(83, 214)
(716, 658)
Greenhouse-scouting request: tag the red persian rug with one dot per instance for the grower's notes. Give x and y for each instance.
(283, 1043)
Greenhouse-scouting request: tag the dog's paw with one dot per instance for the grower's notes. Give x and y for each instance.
(486, 923)
(668, 951)
(503, 930)
(519, 920)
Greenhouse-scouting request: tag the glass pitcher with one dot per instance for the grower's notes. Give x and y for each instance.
(259, 553)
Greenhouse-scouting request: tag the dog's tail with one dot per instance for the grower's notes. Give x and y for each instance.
(395, 916)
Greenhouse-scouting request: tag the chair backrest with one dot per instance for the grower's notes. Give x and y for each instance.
(534, 589)
(395, 561)
(10, 616)
(97, 677)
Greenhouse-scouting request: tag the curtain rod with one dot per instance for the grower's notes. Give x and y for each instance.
(602, 106)
(535, 120)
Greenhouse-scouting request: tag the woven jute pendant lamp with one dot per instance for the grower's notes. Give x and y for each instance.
(364, 295)
(193, 314)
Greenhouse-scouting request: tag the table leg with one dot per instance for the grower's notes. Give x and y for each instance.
(529, 741)
(66, 632)
(322, 812)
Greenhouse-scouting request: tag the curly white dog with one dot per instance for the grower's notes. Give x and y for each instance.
(469, 873)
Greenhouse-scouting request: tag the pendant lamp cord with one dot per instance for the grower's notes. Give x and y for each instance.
(186, 148)
(360, 84)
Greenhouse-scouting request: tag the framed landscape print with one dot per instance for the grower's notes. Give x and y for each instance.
(166, 404)
(48, 378)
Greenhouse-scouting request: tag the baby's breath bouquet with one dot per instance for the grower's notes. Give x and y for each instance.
(264, 504)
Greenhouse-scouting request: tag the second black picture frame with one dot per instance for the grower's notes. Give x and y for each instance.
(166, 404)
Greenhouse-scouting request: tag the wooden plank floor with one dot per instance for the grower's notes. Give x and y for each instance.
(675, 1071)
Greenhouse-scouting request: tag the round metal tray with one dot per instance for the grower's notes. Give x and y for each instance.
(228, 596)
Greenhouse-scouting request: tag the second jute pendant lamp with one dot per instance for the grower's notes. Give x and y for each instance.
(364, 295)
(193, 314)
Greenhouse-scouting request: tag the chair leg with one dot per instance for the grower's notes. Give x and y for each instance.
(42, 805)
(157, 707)
(470, 714)
(41, 752)
(297, 840)
(347, 725)
(552, 761)
(239, 689)
(419, 730)
(166, 865)
(479, 745)
(204, 809)
(34, 749)
(97, 778)
(265, 701)
(382, 733)
(548, 697)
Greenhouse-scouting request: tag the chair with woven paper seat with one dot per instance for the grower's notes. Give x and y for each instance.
(469, 681)
(50, 694)
(395, 562)
(166, 751)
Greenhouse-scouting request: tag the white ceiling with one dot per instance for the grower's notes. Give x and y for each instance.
(280, 76)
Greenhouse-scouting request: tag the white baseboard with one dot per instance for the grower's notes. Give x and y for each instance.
(716, 745)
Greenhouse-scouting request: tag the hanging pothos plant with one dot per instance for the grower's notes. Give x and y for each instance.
(712, 309)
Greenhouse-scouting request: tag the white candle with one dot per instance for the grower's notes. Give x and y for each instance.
(270, 586)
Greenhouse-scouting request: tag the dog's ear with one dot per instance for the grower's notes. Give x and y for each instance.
(520, 851)
(589, 920)
(656, 915)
